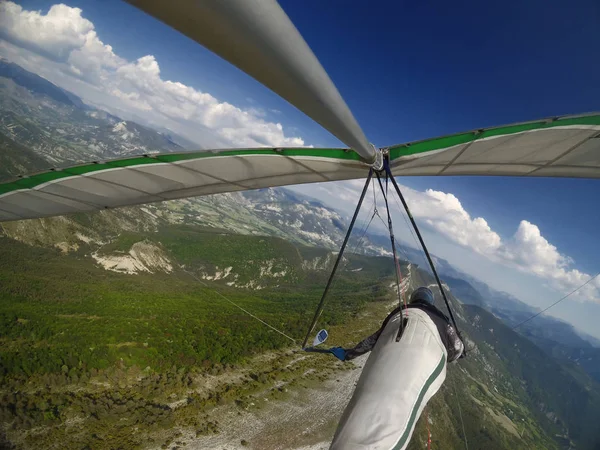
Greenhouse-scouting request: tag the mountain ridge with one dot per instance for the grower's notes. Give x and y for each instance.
(103, 322)
(60, 128)
(35, 83)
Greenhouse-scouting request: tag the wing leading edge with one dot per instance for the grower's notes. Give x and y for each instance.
(559, 147)
(153, 178)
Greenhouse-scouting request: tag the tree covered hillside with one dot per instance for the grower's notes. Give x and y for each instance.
(132, 333)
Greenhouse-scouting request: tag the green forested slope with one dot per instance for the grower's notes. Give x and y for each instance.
(61, 310)
(561, 396)
(110, 351)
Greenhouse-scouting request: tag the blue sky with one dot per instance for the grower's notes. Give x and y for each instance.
(407, 70)
(410, 70)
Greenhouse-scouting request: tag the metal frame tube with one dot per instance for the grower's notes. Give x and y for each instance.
(258, 37)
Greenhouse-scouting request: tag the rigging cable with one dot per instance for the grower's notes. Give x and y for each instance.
(401, 297)
(238, 306)
(358, 242)
(363, 231)
(386, 164)
(398, 248)
(338, 260)
(558, 301)
(393, 240)
(462, 423)
(375, 202)
(412, 233)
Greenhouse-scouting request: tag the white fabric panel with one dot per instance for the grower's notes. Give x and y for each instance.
(156, 178)
(197, 191)
(388, 390)
(240, 168)
(334, 169)
(18, 205)
(483, 150)
(91, 190)
(149, 183)
(537, 147)
(5, 216)
(418, 170)
(540, 148)
(439, 158)
(586, 154)
(30, 202)
(558, 152)
(490, 169)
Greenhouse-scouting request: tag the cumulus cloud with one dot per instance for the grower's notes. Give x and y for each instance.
(55, 34)
(527, 250)
(445, 213)
(531, 252)
(77, 59)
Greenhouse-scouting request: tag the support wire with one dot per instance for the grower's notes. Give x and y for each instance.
(557, 302)
(337, 261)
(388, 171)
(238, 306)
(393, 240)
(462, 423)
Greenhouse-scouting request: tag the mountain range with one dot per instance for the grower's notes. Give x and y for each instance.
(43, 125)
(59, 127)
(125, 275)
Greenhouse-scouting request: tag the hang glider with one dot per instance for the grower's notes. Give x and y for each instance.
(559, 147)
(259, 38)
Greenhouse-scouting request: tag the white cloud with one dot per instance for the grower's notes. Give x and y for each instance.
(527, 250)
(56, 34)
(531, 252)
(75, 58)
(445, 213)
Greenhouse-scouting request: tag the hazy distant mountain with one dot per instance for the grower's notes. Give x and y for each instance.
(60, 128)
(556, 337)
(36, 84)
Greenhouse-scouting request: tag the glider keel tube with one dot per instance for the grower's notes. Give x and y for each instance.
(258, 37)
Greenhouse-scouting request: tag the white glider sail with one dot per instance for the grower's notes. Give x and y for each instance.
(561, 147)
(558, 147)
(154, 178)
(258, 37)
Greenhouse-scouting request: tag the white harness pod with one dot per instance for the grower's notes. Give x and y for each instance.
(396, 383)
